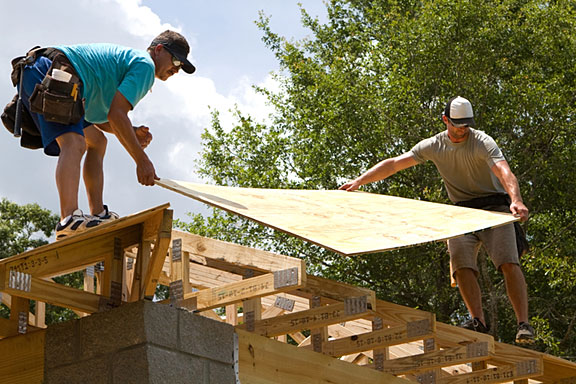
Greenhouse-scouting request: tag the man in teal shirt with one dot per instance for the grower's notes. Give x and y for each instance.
(113, 80)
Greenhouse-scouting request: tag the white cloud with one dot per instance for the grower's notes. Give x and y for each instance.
(177, 111)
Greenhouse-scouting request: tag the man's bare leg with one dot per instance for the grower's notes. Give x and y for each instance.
(72, 148)
(470, 292)
(516, 289)
(93, 173)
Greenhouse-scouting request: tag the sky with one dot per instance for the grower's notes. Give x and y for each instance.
(230, 58)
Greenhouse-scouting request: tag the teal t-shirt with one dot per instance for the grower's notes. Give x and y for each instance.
(107, 68)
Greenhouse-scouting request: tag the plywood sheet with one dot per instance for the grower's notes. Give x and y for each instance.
(349, 223)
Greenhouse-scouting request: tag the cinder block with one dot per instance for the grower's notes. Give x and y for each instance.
(128, 325)
(131, 365)
(92, 371)
(221, 373)
(141, 343)
(207, 338)
(175, 367)
(62, 344)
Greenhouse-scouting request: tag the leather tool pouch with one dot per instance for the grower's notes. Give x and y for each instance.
(59, 101)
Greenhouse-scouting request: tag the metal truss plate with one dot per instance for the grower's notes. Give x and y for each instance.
(477, 349)
(20, 281)
(426, 378)
(22, 322)
(176, 249)
(176, 292)
(526, 367)
(286, 278)
(355, 305)
(284, 303)
(418, 328)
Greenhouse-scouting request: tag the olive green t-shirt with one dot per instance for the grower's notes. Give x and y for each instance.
(465, 167)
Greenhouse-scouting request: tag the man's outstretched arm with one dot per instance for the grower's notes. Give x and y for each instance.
(382, 170)
(510, 183)
(121, 126)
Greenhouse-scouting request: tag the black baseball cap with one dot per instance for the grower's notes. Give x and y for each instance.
(459, 111)
(177, 45)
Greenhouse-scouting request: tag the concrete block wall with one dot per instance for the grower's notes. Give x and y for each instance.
(140, 343)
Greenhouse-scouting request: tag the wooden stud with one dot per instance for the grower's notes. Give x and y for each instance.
(158, 255)
(318, 335)
(140, 266)
(379, 354)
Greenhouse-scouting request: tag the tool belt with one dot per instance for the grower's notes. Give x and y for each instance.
(58, 100)
(493, 201)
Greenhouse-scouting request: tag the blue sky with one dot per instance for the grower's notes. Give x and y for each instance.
(226, 48)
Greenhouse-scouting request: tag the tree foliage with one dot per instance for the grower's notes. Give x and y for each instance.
(371, 82)
(24, 227)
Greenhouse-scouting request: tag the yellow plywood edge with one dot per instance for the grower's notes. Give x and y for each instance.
(346, 222)
(265, 361)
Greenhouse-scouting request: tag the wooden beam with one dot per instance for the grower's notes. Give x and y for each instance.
(55, 261)
(401, 334)
(23, 358)
(437, 359)
(393, 314)
(310, 319)
(58, 294)
(254, 287)
(236, 254)
(449, 336)
(317, 286)
(7, 329)
(265, 361)
(519, 371)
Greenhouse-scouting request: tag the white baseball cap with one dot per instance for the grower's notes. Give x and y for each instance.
(459, 111)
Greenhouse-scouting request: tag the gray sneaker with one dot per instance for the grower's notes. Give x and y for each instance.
(525, 334)
(76, 223)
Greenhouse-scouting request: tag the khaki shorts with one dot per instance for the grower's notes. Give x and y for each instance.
(500, 244)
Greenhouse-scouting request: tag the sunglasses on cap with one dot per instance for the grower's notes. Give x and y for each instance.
(175, 61)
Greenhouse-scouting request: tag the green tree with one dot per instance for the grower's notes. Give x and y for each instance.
(24, 227)
(370, 83)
